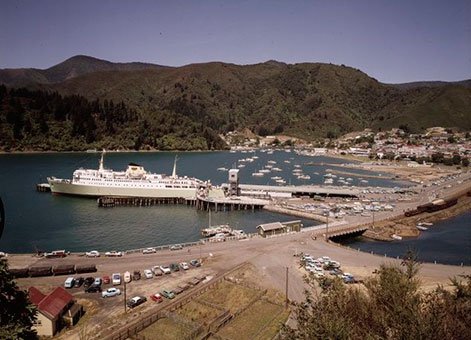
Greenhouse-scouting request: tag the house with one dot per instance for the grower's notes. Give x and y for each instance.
(275, 228)
(55, 310)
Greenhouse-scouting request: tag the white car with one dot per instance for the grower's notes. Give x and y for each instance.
(127, 277)
(110, 292)
(93, 253)
(184, 266)
(165, 269)
(149, 251)
(114, 253)
(148, 274)
(116, 279)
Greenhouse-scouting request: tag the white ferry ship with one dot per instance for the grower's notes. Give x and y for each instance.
(134, 182)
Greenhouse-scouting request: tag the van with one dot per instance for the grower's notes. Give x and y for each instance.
(116, 279)
(69, 283)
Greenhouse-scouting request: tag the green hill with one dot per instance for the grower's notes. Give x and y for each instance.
(307, 100)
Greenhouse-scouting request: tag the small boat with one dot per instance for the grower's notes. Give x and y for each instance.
(396, 237)
(420, 227)
(287, 162)
(222, 169)
(275, 178)
(280, 181)
(428, 224)
(272, 162)
(329, 181)
(363, 181)
(258, 174)
(304, 177)
(264, 171)
(276, 169)
(241, 166)
(255, 157)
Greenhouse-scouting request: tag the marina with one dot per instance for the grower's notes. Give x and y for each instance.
(153, 226)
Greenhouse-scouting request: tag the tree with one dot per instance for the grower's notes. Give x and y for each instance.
(17, 314)
(389, 306)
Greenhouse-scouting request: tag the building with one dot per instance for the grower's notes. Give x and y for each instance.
(275, 228)
(55, 310)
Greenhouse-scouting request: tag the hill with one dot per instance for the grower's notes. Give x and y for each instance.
(70, 68)
(306, 100)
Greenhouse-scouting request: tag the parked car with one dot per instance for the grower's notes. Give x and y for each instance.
(110, 292)
(93, 289)
(156, 270)
(127, 277)
(79, 282)
(157, 297)
(149, 251)
(93, 253)
(114, 253)
(136, 275)
(184, 266)
(106, 280)
(174, 267)
(165, 269)
(168, 294)
(69, 282)
(88, 281)
(136, 301)
(195, 263)
(148, 274)
(116, 279)
(176, 247)
(97, 281)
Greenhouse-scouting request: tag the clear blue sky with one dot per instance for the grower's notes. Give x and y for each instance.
(393, 41)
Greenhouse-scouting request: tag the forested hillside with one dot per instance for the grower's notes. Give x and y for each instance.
(41, 121)
(186, 107)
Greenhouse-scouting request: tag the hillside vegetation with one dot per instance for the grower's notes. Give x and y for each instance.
(308, 100)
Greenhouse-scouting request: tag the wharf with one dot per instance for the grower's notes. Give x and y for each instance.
(112, 201)
(230, 203)
(302, 190)
(43, 187)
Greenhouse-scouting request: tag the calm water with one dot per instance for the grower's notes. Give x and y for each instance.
(42, 221)
(446, 242)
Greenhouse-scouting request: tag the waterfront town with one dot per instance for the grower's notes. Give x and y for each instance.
(201, 289)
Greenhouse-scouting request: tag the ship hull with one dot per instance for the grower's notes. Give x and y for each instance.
(67, 188)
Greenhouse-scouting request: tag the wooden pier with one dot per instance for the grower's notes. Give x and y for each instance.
(114, 201)
(228, 204)
(43, 187)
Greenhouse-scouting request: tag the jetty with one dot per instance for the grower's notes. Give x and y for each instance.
(113, 201)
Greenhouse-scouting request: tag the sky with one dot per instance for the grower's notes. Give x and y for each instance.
(393, 41)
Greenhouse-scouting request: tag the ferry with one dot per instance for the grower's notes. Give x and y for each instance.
(134, 182)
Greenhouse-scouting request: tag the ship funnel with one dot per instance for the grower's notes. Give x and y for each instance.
(101, 168)
(174, 172)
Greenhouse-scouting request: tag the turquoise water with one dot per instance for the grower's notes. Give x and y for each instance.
(46, 222)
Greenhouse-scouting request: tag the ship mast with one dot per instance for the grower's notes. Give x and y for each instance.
(101, 168)
(174, 172)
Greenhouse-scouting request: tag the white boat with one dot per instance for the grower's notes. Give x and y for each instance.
(304, 177)
(420, 227)
(280, 181)
(275, 178)
(258, 174)
(271, 162)
(264, 171)
(287, 162)
(222, 169)
(134, 182)
(241, 166)
(396, 237)
(329, 181)
(276, 169)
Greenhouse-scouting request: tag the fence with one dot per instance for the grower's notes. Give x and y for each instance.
(133, 328)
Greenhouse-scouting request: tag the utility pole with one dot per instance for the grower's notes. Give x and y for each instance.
(124, 296)
(327, 227)
(287, 300)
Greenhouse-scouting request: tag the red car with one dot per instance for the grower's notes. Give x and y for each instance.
(156, 297)
(106, 279)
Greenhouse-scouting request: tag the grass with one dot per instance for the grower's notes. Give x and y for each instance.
(198, 312)
(230, 296)
(257, 317)
(164, 329)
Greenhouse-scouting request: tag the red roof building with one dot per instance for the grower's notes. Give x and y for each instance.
(54, 310)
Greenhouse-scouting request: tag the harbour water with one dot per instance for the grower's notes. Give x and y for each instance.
(40, 221)
(447, 242)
